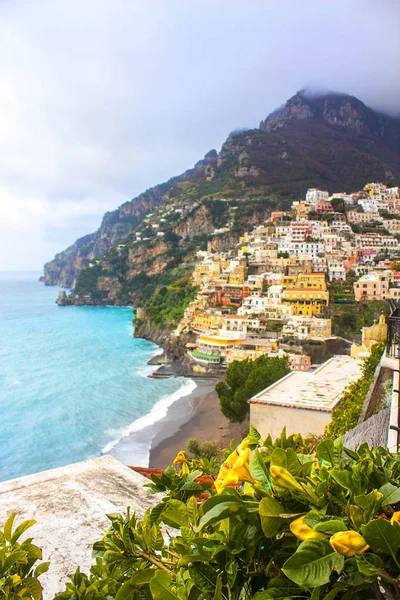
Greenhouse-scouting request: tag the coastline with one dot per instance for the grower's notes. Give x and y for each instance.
(197, 415)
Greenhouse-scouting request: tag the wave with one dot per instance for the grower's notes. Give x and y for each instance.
(158, 412)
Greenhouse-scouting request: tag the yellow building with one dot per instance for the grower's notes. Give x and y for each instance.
(206, 321)
(306, 293)
(251, 349)
(370, 336)
(238, 275)
(308, 302)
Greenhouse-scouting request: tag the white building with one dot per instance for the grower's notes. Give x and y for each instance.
(313, 196)
(303, 401)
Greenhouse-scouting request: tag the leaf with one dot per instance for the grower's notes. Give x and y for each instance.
(331, 527)
(326, 451)
(125, 592)
(391, 494)
(192, 510)
(271, 521)
(313, 563)
(221, 511)
(345, 479)
(142, 577)
(281, 589)
(175, 514)
(218, 589)
(8, 526)
(21, 529)
(42, 568)
(254, 432)
(370, 565)
(34, 587)
(204, 576)
(257, 467)
(381, 536)
(287, 459)
(19, 556)
(160, 586)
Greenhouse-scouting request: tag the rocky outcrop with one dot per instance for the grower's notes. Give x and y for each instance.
(336, 110)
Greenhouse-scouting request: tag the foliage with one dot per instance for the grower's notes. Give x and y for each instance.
(296, 524)
(18, 577)
(87, 281)
(166, 306)
(199, 449)
(244, 379)
(350, 317)
(347, 412)
(281, 521)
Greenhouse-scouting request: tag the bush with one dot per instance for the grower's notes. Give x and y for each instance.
(18, 578)
(199, 449)
(244, 379)
(347, 412)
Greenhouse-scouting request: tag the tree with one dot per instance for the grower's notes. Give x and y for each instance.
(244, 379)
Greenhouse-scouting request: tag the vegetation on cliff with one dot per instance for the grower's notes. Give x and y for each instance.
(281, 520)
(172, 294)
(244, 379)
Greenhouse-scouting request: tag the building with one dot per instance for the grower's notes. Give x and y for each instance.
(299, 362)
(251, 349)
(314, 195)
(303, 401)
(370, 336)
(307, 328)
(359, 218)
(373, 286)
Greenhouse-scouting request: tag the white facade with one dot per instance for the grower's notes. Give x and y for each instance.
(313, 196)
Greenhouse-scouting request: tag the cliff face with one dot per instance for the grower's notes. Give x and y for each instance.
(332, 141)
(115, 226)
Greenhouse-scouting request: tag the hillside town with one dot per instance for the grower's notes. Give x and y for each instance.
(270, 294)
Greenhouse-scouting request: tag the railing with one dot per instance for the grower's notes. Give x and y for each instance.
(393, 351)
(393, 339)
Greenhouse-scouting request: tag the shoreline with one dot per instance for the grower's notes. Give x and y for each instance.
(204, 422)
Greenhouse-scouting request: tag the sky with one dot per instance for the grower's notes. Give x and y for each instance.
(101, 99)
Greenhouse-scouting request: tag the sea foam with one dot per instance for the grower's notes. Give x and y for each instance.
(158, 412)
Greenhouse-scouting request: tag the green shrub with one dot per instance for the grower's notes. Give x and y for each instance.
(347, 412)
(244, 379)
(18, 577)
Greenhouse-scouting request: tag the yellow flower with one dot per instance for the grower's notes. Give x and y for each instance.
(235, 469)
(395, 517)
(284, 479)
(302, 531)
(180, 458)
(348, 543)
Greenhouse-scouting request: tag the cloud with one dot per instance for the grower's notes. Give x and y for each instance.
(100, 100)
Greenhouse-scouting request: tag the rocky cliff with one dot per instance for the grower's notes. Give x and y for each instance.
(331, 141)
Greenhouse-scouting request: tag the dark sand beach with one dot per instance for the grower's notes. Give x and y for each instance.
(197, 415)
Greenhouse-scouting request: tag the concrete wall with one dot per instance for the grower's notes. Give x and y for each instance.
(272, 419)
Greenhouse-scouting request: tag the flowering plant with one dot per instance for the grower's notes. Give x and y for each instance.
(280, 521)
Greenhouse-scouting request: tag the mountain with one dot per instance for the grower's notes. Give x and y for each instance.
(329, 140)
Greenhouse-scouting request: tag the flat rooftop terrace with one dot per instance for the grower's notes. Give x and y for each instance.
(70, 506)
(314, 390)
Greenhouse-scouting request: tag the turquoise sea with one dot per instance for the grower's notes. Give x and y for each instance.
(73, 381)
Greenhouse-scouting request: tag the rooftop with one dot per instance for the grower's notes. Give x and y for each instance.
(316, 390)
(69, 505)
